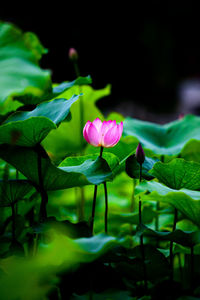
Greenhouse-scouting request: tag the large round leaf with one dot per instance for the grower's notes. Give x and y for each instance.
(166, 139)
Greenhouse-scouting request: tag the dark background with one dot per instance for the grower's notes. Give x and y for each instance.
(145, 52)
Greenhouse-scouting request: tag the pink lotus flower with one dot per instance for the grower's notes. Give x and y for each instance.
(106, 134)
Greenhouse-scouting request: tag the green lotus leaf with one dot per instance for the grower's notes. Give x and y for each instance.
(184, 238)
(178, 174)
(90, 171)
(168, 139)
(12, 191)
(186, 201)
(191, 151)
(30, 128)
(59, 89)
(74, 161)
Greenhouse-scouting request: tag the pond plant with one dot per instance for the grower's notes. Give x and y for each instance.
(137, 237)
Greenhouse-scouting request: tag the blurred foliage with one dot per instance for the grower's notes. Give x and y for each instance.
(21, 77)
(49, 174)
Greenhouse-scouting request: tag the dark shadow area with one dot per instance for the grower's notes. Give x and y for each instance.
(145, 53)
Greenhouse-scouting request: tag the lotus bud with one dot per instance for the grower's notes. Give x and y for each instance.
(140, 156)
(73, 54)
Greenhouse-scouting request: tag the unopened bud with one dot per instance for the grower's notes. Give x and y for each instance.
(140, 156)
(73, 54)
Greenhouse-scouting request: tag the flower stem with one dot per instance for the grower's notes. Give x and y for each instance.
(43, 193)
(106, 207)
(132, 206)
(81, 109)
(81, 204)
(106, 198)
(180, 267)
(171, 246)
(141, 237)
(157, 221)
(140, 202)
(16, 205)
(162, 158)
(93, 208)
(101, 152)
(94, 200)
(13, 221)
(192, 267)
(157, 216)
(76, 69)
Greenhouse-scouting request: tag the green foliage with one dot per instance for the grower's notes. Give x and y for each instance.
(68, 138)
(191, 151)
(187, 201)
(90, 171)
(110, 158)
(13, 190)
(178, 236)
(35, 273)
(20, 76)
(168, 139)
(122, 150)
(59, 89)
(30, 128)
(133, 167)
(178, 174)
